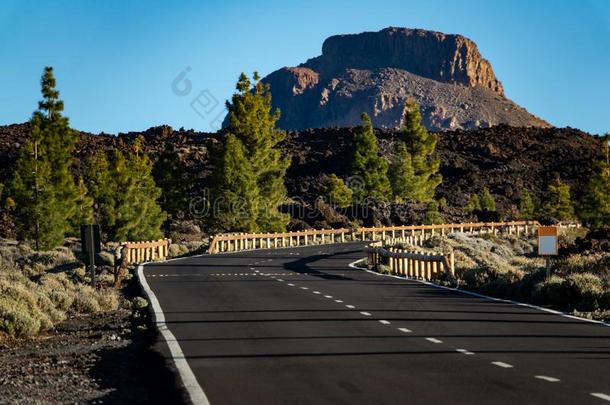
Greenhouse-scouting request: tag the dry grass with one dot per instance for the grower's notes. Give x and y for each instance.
(32, 299)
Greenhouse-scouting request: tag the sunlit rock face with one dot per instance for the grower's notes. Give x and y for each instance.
(377, 72)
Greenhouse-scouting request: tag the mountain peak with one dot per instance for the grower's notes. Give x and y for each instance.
(376, 72)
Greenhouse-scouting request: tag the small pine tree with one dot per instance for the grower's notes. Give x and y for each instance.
(418, 183)
(433, 217)
(558, 203)
(527, 206)
(473, 205)
(125, 196)
(594, 209)
(43, 188)
(367, 165)
(488, 203)
(336, 192)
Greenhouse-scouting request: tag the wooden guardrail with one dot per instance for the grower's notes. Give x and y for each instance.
(414, 264)
(381, 233)
(145, 251)
(243, 241)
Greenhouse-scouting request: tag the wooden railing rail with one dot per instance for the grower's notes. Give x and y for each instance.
(245, 241)
(145, 251)
(414, 264)
(380, 233)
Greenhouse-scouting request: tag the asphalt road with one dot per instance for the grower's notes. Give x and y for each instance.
(300, 326)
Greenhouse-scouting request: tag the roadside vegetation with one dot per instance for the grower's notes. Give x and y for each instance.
(507, 266)
(39, 289)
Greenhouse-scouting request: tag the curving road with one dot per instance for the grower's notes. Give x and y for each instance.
(300, 326)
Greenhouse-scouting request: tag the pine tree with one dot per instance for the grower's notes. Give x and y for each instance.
(43, 188)
(595, 205)
(102, 188)
(558, 204)
(237, 209)
(527, 206)
(336, 192)
(433, 217)
(84, 205)
(474, 205)
(368, 166)
(487, 201)
(252, 123)
(171, 177)
(420, 182)
(125, 196)
(402, 175)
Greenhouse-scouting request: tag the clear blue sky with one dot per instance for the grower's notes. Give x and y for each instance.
(115, 60)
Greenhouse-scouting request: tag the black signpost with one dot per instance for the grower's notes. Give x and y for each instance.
(91, 243)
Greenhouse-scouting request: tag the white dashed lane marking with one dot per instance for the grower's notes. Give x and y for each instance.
(434, 340)
(464, 351)
(501, 364)
(291, 285)
(350, 306)
(405, 330)
(339, 301)
(383, 321)
(366, 313)
(317, 292)
(328, 296)
(547, 378)
(601, 395)
(304, 288)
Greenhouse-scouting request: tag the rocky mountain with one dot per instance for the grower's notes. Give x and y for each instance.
(376, 72)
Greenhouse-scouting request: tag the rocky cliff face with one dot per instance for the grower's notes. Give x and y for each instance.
(376, 72)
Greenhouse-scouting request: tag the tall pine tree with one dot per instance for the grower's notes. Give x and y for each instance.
(419, 182)
(49, 204)
(252, 124)
(370, 168)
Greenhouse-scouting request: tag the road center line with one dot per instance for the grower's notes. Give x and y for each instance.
(501, 364)
(601, 395)
(547, 378)
(434, 340)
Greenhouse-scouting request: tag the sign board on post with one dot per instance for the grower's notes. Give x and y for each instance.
(91, 243)
(548, 245)
(548, 240)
